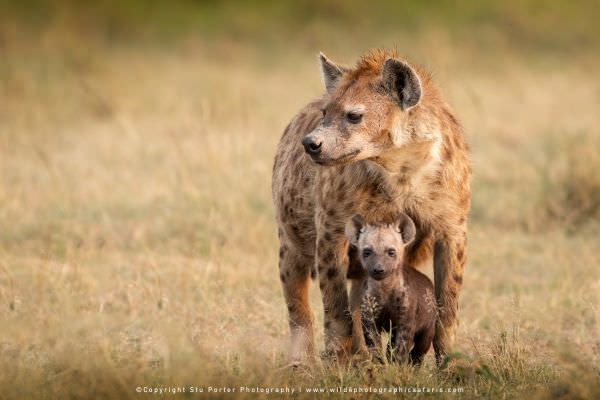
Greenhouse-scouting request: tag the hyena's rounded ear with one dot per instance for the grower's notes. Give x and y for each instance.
(402, 82)
(332, 72)
(353, 228)
(407, 228)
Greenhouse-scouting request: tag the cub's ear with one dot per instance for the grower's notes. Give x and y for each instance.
(331, 72)
(402, 82)
(406, 228)
(353, 228)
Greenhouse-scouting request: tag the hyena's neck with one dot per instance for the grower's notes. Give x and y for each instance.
(404, 171)
(410, 160)
(419, 153)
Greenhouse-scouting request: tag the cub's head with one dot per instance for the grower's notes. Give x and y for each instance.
(381, 246)
(365, 109)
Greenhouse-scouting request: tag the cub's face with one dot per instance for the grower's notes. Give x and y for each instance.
(381, 250)
(381, 247)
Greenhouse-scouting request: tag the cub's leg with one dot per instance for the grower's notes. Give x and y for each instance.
(423, 341)
(404, 342)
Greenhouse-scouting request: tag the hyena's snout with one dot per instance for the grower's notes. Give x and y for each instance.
(312, 145)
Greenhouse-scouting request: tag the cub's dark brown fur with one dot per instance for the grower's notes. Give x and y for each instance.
(396, 297)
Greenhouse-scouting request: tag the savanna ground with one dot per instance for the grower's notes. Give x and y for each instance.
(137, 236)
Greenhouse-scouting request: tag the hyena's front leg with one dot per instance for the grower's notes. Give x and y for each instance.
(294, 273)
(449, 264)
(357, 292)
(331, 266)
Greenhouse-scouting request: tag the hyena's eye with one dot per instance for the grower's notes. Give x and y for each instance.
(391, 252)
(353, 117)
(366, 253)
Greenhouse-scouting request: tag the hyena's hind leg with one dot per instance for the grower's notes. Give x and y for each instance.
(449, 264)
(295, 275)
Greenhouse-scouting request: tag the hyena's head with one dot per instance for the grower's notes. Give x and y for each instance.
(381, 246)
(365, 109)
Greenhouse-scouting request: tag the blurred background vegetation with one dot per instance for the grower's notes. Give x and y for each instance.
(552, 26)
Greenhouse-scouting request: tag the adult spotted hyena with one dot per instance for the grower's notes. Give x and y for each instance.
(380, 141)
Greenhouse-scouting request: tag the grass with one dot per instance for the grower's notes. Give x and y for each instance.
(137, 238)
(571, 188)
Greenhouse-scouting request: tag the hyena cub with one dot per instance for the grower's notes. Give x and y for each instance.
(396, 297)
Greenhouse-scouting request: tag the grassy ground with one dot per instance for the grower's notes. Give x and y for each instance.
(137, 238)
